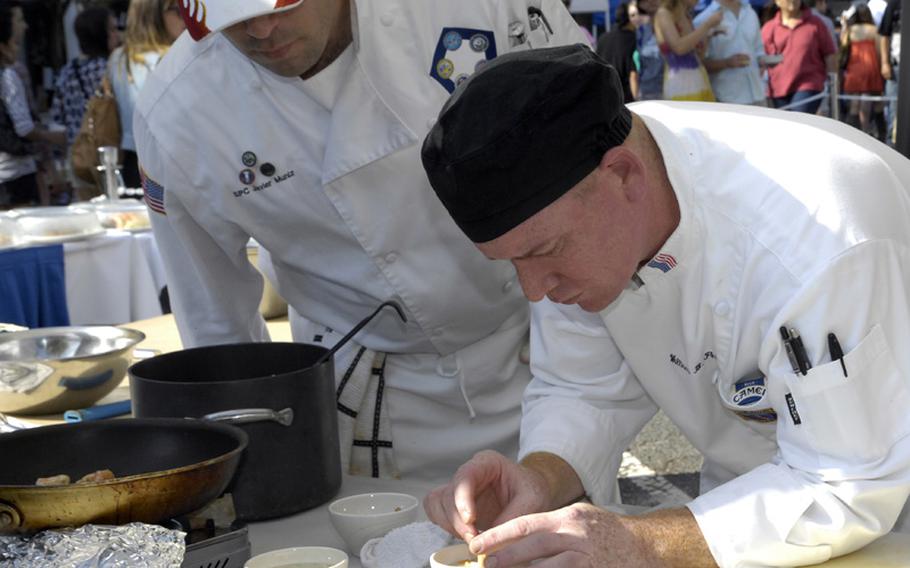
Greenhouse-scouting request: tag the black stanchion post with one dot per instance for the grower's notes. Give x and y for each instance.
(902, 144)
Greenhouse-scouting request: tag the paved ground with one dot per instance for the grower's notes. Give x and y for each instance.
(660, 468)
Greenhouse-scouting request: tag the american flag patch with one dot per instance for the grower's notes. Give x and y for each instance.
(154, 193)
(663, 262)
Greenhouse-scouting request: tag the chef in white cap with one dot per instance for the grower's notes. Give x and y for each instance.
(299, 123)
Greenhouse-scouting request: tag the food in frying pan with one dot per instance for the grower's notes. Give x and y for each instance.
(63, 479)
(95, 477)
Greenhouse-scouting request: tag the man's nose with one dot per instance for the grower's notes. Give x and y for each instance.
(535, 284)
(261, 27)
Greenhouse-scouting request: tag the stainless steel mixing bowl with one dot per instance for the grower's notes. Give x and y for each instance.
(52, 369)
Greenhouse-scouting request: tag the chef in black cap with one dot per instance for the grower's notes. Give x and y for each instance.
(672, 252)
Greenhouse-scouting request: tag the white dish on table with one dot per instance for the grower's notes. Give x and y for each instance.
(123, 214)
(56, 224)
(300, 557)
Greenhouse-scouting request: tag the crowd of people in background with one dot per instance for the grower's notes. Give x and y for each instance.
(790, 54)
(124, 48)
(785, 55)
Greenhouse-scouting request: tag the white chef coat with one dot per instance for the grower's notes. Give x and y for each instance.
(347, 216)
(785, 218)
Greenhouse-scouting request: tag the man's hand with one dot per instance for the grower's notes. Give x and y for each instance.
(484, 492)
(739, 60)
(585, 536)
(887, 71)
(580, 535)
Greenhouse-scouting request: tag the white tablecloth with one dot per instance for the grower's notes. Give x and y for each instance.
(113, 278)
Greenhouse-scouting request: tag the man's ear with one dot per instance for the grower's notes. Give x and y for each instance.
(623, 165)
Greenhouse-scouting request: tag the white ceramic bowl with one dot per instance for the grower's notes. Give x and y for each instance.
(359, 518)
(451, 556)
(301, 556)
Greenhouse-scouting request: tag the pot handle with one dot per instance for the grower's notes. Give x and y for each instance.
(10, 518)
(284, 417)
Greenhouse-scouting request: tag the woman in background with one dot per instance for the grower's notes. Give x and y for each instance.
(151, 28)
(685, 78)
(96, 30)
(863, 71)
(18, 179)
(97, 33)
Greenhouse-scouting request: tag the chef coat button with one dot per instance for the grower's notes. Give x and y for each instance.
(387, 19)
(722, 308)
(447, 366)
(507, 286)
(391, 257)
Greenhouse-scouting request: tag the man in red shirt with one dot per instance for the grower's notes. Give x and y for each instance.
(808, 55)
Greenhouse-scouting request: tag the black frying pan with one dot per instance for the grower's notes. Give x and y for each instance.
(164, 468)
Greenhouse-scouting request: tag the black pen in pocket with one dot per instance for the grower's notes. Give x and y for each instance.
(788, 347)
(836, 352)
(802, 358)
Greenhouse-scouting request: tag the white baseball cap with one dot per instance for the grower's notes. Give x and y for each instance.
(203, 17)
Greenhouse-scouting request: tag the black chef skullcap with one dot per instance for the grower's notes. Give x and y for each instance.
(521, 132)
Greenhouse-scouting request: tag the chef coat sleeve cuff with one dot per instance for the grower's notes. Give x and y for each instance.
(574, 432)
(747, 520)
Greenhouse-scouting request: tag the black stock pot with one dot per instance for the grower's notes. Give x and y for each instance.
(278, 394)
(281, 394)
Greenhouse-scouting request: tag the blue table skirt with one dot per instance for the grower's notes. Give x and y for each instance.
(33, 287)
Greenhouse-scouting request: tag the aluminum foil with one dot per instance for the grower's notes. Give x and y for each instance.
(135, 545)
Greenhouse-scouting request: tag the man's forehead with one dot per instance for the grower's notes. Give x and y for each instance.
(521, 241)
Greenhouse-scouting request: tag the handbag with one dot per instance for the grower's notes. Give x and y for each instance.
(100, 127)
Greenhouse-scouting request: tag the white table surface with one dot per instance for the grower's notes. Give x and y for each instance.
(313, 528)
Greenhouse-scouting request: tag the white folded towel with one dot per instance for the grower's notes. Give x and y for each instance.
(409, 546)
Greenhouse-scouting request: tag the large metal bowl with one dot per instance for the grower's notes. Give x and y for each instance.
(52, 369)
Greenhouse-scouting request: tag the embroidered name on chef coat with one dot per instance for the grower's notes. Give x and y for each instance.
(460, 52)
(749, 398)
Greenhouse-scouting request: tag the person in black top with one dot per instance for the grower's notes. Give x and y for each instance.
(617, 47)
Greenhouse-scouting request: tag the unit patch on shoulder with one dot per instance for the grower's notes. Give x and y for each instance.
(749, 398)
(459, 52)
(153, 192)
